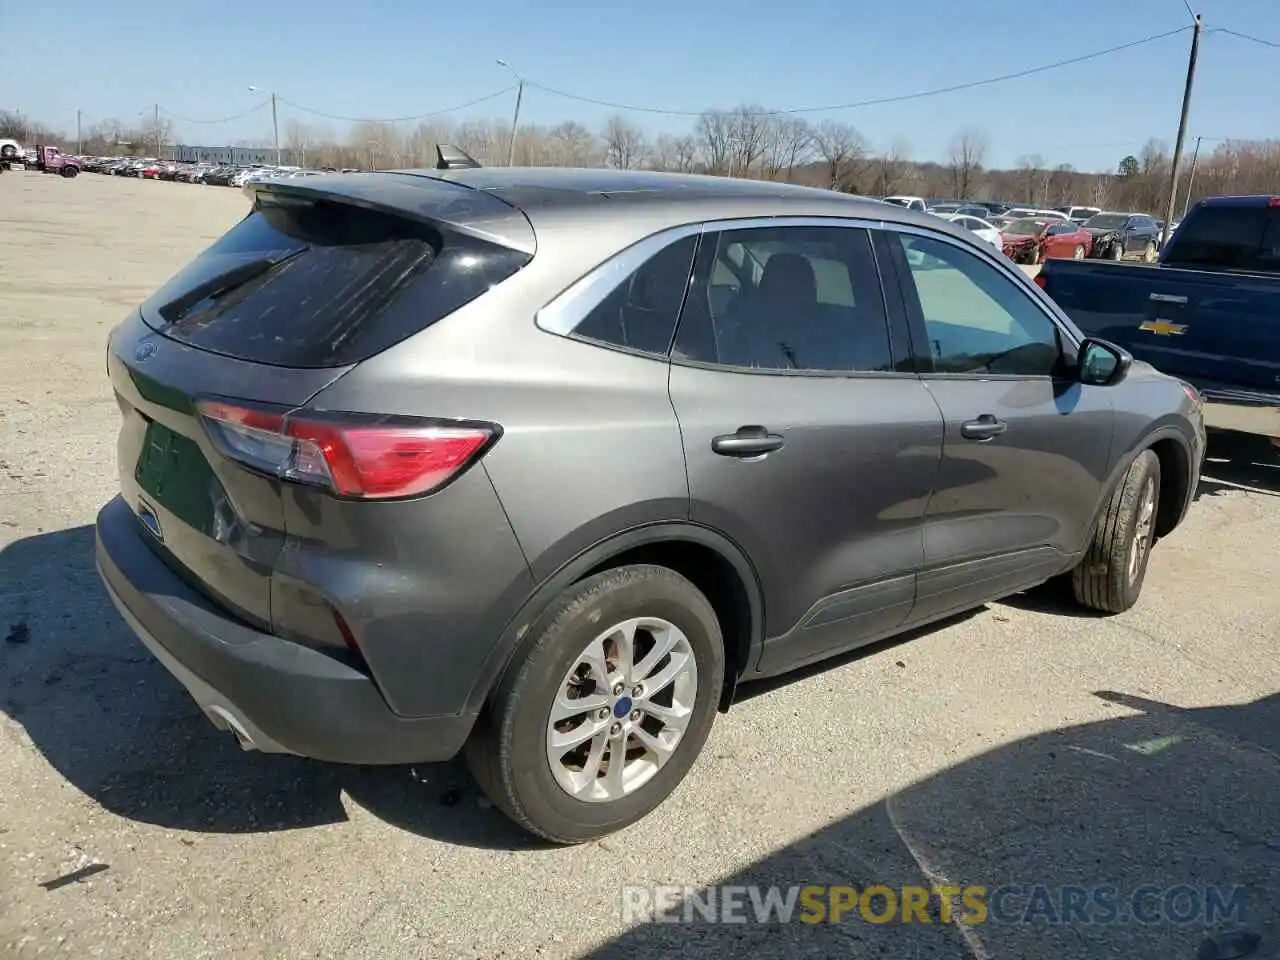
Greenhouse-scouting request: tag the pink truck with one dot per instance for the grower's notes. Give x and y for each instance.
(52, 160)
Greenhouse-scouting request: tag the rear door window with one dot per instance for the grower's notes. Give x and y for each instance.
(814, 305)
(301, 283)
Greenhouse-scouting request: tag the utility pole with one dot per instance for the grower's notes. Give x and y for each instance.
(156, 121)
(1191, 179)
(515, 123)
(79, 138)
(515, 119)
(1182, 128)
(275, 128)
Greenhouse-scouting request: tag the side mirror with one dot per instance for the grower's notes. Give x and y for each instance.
(1101, 363)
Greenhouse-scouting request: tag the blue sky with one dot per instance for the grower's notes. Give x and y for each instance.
(384, 58)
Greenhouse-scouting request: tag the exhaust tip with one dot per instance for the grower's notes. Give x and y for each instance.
(224, 719)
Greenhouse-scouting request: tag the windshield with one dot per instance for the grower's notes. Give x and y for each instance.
(1106, 221)
(1025, 228)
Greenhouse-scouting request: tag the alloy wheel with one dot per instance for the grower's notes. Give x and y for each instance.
(622, 709)
(1142, 529)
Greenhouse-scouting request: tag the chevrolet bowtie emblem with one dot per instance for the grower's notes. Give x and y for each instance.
(1163, 328)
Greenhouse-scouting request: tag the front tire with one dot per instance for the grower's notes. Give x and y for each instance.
(70, 172)
(1110, 576)
(1149, 252)
(1078, 252)
(629, 664)
(1117, 250)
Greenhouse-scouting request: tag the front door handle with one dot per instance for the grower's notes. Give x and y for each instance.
(984, 428)
(747, 442)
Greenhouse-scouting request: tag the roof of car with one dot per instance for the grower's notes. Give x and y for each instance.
(559, 201)
(561, 197)
(533, 187)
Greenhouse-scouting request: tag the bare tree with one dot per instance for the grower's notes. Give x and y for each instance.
(890, 167)
(573, 145)
(967, 154)
(1061, 184)
(685, 154)
(1029, 170)
(715, 131)
(788, 143)
(624, 144)
(155, 133)
(1100, 190)
(751, 124)
(297, 138)
(843, 150)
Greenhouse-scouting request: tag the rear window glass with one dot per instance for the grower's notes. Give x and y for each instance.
(323, 284)
(1229, 237)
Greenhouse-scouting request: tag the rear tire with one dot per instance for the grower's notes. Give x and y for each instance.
(1110, 576)
(510, 751)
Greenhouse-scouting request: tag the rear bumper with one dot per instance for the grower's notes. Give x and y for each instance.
(275, 695)
(1242, 410)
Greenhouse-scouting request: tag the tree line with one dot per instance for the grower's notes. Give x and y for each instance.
(747, 141)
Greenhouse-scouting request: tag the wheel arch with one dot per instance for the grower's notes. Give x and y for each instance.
(1173, 451)
(711, 561)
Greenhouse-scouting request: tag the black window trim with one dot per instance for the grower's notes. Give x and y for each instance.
(712, 227)
(1070, 339)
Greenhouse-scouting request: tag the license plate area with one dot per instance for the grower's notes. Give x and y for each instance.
(172, 472)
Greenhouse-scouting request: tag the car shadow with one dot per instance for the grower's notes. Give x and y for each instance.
(1164, 813)
(1240, 462)
(117, 726)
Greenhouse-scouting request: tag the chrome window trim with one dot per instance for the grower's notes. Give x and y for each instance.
(562, 314)
(571, 306)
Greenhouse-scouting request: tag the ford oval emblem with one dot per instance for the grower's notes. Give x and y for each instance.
(146, 350)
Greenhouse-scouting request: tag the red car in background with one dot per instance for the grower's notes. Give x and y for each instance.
(1032, 240)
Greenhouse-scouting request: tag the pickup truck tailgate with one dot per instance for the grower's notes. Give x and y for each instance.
(1208, 327)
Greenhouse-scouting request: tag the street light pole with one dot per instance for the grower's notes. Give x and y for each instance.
(275, 122)
(515, 119)
(1182, 129)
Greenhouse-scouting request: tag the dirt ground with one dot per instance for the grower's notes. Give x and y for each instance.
(1024, 744)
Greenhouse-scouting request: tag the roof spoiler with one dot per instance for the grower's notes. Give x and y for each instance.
(450, 157)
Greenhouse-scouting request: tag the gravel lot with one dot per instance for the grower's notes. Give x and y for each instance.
(1017, 744)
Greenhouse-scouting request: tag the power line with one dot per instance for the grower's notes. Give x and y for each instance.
(1245, 36)
(418, 116)
(879, 100)
(236, 116)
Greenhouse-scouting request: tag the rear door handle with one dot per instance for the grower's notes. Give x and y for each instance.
(747, 442)
(984, 428)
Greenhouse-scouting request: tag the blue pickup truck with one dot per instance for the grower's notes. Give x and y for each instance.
(1208, 311)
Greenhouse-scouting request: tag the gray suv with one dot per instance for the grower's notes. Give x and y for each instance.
(540, 464)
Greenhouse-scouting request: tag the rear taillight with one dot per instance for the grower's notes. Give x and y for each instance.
(1040, 280)
(353, 455)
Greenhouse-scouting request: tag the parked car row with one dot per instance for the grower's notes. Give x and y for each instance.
(1030, 235)
(212, 174)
